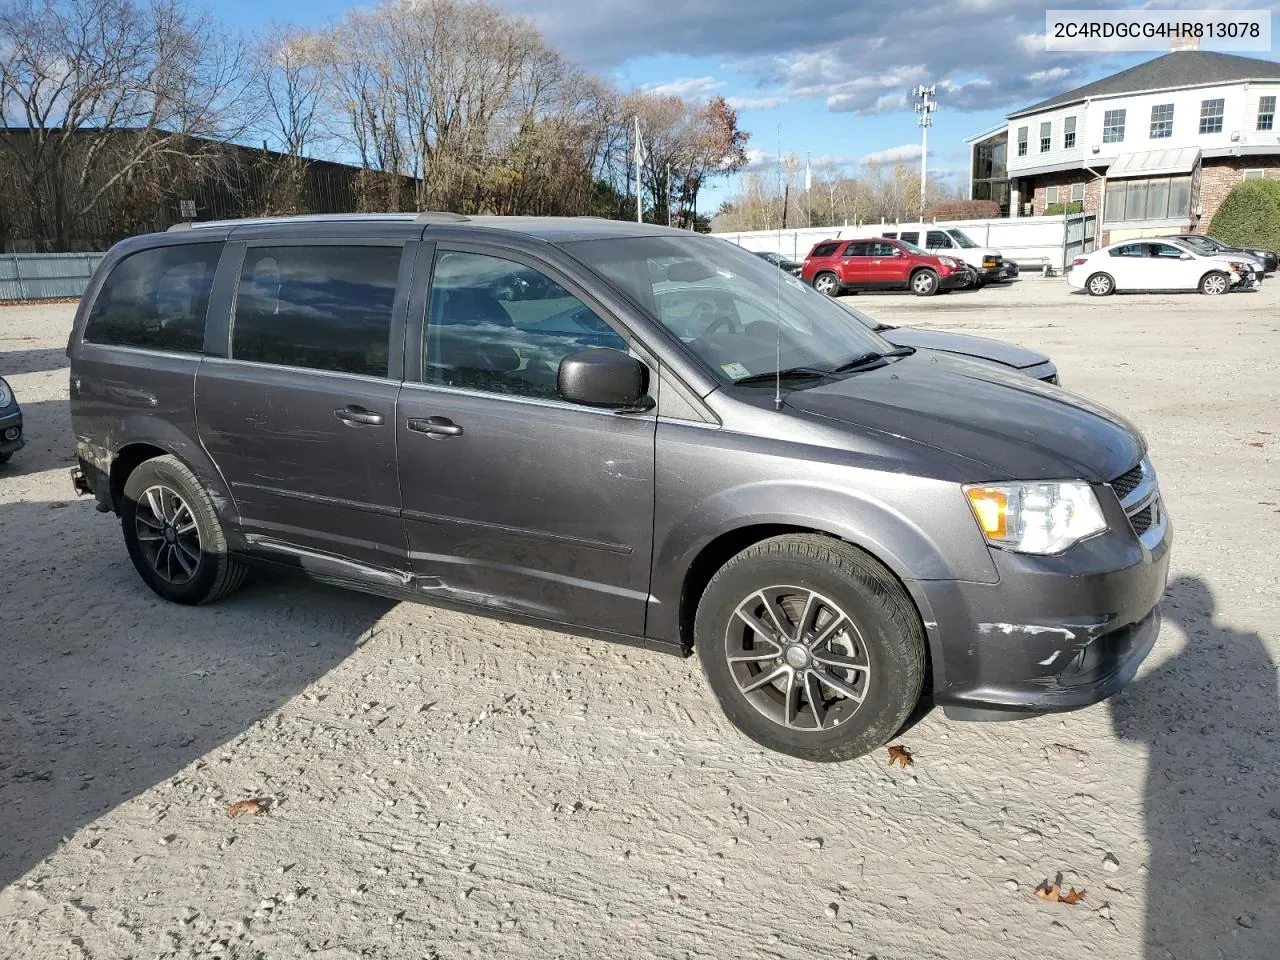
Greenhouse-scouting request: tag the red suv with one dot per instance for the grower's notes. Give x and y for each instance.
(878, 263)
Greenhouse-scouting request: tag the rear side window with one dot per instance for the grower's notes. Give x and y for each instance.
(912, 237)
(1129, 250)
(891, 235)
(156, 298)
(321, 307)
(824, 249)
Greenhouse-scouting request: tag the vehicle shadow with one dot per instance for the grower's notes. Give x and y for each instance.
(32, 361)
(1210, 719)
(106, 690)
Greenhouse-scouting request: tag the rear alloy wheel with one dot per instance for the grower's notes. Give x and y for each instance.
(1215, 284)
(174, 536)
(924, 283)
(1100, 285)
(811, 647)
(826, 284)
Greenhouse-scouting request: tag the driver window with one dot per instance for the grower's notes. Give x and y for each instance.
(501, 327)
(1163, 250)
(883, 250)
(939, 240)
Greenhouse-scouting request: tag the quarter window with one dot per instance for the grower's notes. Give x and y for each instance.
(320, 307)
(1211, 115)
(156, 298)
(824, 249)
(1162, 121)
(1068, 133)
(1113, 126)
(501, 327)
(1266, 113)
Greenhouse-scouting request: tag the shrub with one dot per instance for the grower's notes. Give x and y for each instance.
(963, 210)
(1058, 209)
(1249, 215)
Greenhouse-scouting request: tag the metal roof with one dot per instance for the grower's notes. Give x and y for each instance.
(1182, 68)
(1154, 163)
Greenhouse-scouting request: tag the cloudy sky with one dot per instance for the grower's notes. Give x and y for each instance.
(827, 78)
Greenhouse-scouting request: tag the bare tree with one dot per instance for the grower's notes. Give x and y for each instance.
(288, 84)
(93, 92)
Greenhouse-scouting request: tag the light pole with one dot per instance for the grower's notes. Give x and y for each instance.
(925, 106)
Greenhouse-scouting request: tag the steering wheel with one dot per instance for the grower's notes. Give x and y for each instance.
(724, 320)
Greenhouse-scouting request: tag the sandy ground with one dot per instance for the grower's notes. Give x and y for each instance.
(448, 786)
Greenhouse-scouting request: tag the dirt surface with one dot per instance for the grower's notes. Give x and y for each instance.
(444, 785)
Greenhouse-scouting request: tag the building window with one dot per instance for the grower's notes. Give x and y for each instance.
(1266, 113)
(1051, 194)
(1077, 192)
(1068, 133)
(1254, 174)
(1162, 121)
(1211, 115)
(1113, 126)
(1022, 141)
(1046, 136)
(1157, 198)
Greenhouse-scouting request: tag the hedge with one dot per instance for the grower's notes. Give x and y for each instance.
(1058, 209)
(1249, 216)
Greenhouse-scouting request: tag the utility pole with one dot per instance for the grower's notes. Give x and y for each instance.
(639, 162)
(668, 194)
(925, 106)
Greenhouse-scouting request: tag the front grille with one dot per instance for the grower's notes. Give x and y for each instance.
(1126, 483)
(1142, 520)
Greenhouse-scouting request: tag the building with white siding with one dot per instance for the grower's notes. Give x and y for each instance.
(1152, 149)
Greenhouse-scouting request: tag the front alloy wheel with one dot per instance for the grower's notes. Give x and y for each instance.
(797, 658)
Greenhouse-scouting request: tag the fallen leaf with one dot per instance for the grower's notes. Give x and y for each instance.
(56, 505)
(1255, 444)
(1069, 750)
(254, 807)
(1052, 893)
(901, 756)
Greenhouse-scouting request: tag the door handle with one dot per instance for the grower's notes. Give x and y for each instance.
(435, 427)
(358, 416)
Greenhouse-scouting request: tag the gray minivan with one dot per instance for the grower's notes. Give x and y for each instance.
(622, 431)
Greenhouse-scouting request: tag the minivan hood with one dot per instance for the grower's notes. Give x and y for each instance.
(982, 348)
(1023, 429)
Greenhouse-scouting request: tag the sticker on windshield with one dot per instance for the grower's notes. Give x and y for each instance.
(735, 370)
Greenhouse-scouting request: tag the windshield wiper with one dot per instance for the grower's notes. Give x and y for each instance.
(788, 373)
(874, 357)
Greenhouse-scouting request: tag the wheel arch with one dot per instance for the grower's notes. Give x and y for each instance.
(149, 444)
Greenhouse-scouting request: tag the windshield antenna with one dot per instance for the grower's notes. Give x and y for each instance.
(777, 316)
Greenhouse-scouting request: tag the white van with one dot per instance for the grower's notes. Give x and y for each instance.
(988, 265)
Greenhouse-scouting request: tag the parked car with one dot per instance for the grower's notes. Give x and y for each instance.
(997, 352)
(834, 267)
(988, 264)
(781, 262)
(1211, 246)
(11, 440)
(1156, 265)
(825, 519)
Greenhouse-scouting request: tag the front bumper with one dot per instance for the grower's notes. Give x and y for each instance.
(1055, 633)
(11, 438)
(956, 280)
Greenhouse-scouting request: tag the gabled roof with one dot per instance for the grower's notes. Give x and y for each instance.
(1182, 68)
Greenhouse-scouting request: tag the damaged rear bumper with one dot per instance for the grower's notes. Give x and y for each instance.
(1055, 634)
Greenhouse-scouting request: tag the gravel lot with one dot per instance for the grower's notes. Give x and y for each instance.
(449, 786)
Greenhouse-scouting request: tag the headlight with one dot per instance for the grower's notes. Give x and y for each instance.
(1036, 517)
(948, 262)
(6, 395)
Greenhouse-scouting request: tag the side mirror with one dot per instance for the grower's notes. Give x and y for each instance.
(897, 252)
(1186, 256)
(602, 377)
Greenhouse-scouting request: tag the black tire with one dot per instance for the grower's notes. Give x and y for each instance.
(162, 559)
(1215, 283)
(4, 457)
(924, 283)
(827, 283)
(888, 635)
(1100, 285)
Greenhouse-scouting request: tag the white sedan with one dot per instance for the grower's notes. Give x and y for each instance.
(1157, 265)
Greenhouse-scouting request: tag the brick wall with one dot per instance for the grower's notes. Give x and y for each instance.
(1220, 175)
(1063, 181)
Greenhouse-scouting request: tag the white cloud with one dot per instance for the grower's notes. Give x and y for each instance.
(903, 153)
(749, 103)
(686, 87)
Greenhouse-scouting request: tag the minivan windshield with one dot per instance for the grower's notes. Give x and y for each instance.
(739, 314)
(961, 240)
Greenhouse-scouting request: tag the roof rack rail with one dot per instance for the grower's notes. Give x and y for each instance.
(440, 216)
(183, 225)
